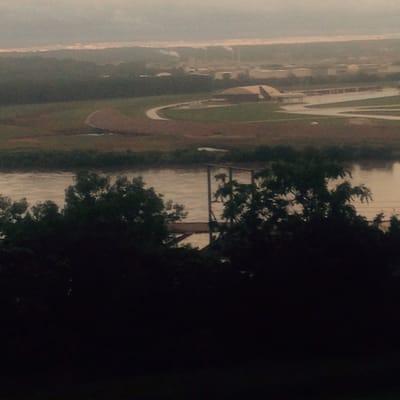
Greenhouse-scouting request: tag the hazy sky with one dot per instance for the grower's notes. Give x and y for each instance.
(39, 22)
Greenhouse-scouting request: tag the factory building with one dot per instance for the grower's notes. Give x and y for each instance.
(302, 72)
(226, 75)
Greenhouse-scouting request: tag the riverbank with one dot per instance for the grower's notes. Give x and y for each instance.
(72, 160)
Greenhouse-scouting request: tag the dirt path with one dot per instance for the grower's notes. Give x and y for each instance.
(156, 112)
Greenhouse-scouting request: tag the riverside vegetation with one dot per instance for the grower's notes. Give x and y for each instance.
(101, 286)
(52, 159)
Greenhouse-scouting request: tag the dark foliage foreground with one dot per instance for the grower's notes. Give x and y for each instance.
(100, 284)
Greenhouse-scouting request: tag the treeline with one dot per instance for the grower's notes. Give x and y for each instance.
(42, 69)
(93, 159)
(103, 56)
(25, 80)
(101, 285)
(78, 87)
(31, 91)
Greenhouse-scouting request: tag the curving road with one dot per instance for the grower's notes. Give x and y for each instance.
(154, 113)
(305, 108)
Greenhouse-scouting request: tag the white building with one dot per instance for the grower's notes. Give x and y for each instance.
(164, 75)
(269, 73)
(234, 74)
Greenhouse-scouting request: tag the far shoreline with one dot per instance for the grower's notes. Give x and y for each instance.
(204, 43)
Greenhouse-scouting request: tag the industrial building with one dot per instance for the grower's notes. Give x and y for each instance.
(233, 74)
(259, 73)
(280, 73)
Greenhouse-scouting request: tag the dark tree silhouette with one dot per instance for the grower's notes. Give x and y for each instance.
(99, 283)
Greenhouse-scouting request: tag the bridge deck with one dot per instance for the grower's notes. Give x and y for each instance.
(189, 228)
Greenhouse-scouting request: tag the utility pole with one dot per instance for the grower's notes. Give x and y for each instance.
(212, 219)
(210, 212)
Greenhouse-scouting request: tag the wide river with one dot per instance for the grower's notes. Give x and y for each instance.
(188, 186)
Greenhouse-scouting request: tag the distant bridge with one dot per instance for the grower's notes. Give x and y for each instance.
(184, 230)
(191, 228)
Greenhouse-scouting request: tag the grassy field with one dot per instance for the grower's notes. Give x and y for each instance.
(72, 115)
(245, 112)
(383, 101)
(61, 127)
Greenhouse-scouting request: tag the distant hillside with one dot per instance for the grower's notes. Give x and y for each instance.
(387, 50)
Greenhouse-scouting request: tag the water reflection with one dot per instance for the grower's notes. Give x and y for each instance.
(189, 186)
(384, 182)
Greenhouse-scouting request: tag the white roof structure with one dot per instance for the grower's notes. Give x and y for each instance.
(259, 90)
(263, 92)
(163, 75)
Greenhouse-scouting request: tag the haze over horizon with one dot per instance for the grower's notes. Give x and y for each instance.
(29, 23)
